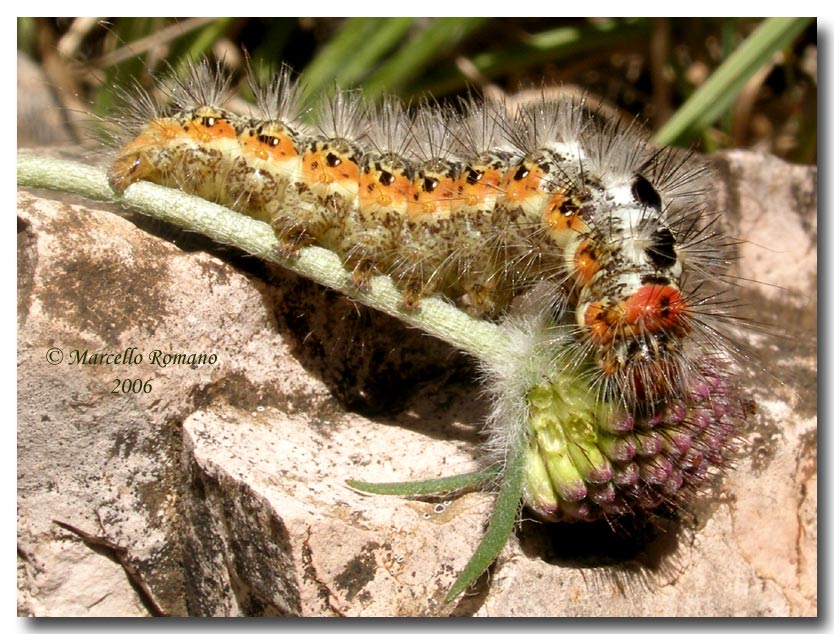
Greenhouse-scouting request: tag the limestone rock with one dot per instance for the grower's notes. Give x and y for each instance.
(220, 490)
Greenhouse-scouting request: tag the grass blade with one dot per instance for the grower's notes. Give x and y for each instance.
(358, 45)
(538, 48)
(441, 35)
(717, 94)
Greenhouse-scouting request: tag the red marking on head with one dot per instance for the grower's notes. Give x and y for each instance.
(656, 308)
(653, 308)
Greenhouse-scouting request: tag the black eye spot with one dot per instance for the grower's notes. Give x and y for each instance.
(268, 140)
(333, 160)
(473, 176)
(644, 193)
(662, 250)
(209, 121)
(386, 178)
(569, 207)
(521, 173)
(656, 280)
(634, 348)
(429, 184)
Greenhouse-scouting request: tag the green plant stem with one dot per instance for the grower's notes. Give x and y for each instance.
(435, 315)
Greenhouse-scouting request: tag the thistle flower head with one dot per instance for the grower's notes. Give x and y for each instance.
(587, 459)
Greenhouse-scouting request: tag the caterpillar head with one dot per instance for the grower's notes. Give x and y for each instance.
(630, 306)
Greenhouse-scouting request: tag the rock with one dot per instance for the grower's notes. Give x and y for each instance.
(131, 468)
(219, 488)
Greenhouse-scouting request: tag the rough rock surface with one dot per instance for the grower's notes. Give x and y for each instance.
(221, 491)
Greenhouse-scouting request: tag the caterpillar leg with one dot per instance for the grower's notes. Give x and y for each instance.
(413, 292)
(126, 170)
(145, 158)
(360, 277)
(289, 244)
(482, 298)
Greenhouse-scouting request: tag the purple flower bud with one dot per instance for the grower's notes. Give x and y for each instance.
(606, 462)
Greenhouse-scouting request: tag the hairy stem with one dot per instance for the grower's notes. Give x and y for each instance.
(435, 316)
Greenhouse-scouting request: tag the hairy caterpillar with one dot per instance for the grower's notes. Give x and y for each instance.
(642, 476)
(479, 203)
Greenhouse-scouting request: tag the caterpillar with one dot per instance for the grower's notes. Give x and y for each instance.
(477, 204)
(596, 216)
(611, 393)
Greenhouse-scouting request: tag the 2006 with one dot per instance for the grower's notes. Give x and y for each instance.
(132, 386)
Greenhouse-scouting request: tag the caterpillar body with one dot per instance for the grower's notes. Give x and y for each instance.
(478, 204)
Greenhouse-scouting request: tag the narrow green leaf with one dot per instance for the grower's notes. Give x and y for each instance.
(427, 487)
(26, 35)
(440, 36)
(372, 49)
(323, 69)
(195, 45)
(357, 46)
(268, 55)
(500, 524)
(717, 94)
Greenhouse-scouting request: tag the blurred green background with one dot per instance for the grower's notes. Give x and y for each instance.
(709, 82)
